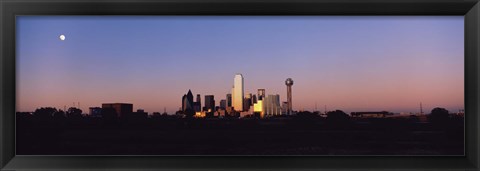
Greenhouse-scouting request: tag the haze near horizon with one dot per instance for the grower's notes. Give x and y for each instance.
(352, 63)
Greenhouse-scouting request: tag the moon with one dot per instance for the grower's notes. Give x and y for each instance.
(62, 37)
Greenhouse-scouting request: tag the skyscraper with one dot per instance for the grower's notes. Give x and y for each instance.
(223, 104)
(229, 100)
(289, 83)
(261, 94)
(197, 106)
(271, 105)
(184, 100)
(209, 103)
(284, 108)
(238, 91)
(233, 94)
(190, 98)
(198, 100)
(247, 102)
(187, 104)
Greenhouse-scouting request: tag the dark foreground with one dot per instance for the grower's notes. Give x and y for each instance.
(277, 136)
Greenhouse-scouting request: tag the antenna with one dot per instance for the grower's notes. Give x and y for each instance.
(164, 110)
(421, 108)
(316, 106)
(325, 109)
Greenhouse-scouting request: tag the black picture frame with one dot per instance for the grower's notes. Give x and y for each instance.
(9, 9)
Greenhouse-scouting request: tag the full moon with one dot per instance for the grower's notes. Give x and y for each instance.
(62, 37)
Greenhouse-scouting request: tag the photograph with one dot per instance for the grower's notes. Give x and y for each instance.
(183, 85)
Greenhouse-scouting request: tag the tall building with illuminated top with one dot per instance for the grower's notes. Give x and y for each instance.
(238, 91)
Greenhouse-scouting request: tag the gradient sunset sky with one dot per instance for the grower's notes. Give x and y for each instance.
(352, 63)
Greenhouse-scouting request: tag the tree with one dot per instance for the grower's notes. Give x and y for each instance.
(306, 118)
(156, 114)
(45, 113)
(189, 113)
(74, 112)
(439, 115)
(59, 115)
(337, 119)
(307, 115)
(337, 116)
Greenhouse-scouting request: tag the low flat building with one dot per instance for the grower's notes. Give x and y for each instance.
(201, 114)
(381, 114)
(121, 109)
(95, 111)
(220, 113)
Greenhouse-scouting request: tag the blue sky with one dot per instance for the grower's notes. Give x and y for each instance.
(353, 63)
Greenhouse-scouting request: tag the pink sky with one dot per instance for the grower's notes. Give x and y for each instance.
(347, 63)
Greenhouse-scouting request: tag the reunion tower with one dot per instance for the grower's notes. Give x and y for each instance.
(289, 83)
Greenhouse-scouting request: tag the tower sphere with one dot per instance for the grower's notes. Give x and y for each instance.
(289, 82)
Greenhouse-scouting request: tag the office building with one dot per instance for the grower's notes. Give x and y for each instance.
(201, 114)
(198, 99)
(261, 94)
(272, 105)
(209, 103)
(229, 100)
(187, 104)
(121, 109)
(223, 104)
(184, 100)
(233, 95)
(238, 92)
(95, 111)
(381, 114)
(220, 113)
(141, 113)
(284, 108)
(247, 102)
(229, 111)
(258, 109)
(197, 106)
(248, 113)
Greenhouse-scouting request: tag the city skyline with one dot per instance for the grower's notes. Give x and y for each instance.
(387, 63)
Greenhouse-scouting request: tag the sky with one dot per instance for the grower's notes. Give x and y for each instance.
(351, 63)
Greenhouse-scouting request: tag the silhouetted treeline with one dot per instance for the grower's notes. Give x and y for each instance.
(336, 119)
(52, 131)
